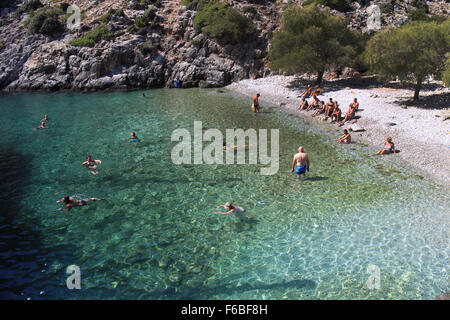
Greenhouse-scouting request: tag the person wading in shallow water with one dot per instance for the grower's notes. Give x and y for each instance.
(255, 105)
(300, 163)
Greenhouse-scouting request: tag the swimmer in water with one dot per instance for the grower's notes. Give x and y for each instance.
(42, 126)
(69, 202)
(132, 137)
(91, 164)
(143, 95)
(45, 118)
(229, 206)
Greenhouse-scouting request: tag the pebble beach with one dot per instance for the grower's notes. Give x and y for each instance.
(421, 131)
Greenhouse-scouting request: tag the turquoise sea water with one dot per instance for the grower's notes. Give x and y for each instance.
(155, 236)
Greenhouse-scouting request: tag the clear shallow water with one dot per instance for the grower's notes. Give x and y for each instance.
(155, 236)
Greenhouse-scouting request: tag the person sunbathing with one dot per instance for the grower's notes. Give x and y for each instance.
(355, 104)
(329, 108)
(349, 115)
(388, 147)
(314, 104)
(336, 114)
(303, 105)
(317, 92)
(346, 138)
(321, 109)
(307, 93)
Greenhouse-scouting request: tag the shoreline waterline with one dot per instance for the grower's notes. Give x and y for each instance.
(279, 91)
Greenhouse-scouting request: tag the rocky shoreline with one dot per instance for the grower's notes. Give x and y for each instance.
(421, 131)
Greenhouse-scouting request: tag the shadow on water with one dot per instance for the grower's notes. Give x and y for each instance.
(206, 291)
(315, 178)
(23, 257)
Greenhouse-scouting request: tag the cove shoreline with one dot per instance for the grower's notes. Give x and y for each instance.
(421, 132)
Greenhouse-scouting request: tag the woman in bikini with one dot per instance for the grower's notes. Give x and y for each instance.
(388, 147)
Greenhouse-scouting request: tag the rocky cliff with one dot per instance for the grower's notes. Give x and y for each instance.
(155, 54)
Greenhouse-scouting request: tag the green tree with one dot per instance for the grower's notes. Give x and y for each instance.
(411, 52)
(312, 40)
(446, 73)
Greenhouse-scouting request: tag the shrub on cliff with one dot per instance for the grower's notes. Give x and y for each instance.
(312, 40)
(412, 52)
(45, 21)
(222, 22)
(92, 37)
(111, 13)
(339, 5)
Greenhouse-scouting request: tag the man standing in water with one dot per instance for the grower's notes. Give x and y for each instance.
(255, 105)
(300, 162)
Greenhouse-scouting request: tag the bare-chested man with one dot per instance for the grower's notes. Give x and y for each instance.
(255, 105)
(355, 104)
(329, 107)
(300, 163)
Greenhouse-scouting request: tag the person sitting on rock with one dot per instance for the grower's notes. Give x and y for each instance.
(304, 105)
(336, 114)
(349, 115)
(346, 138)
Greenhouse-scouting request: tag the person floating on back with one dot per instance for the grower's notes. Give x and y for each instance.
(91, 164)
(255, 105)
(346, 138)
(388, 147)
(69, 202)
(230, 208)
(300, 163)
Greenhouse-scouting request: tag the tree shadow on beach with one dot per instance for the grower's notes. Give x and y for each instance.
(435, 101)
(363, 82)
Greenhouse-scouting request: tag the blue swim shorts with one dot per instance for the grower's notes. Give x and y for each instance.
(300, 169)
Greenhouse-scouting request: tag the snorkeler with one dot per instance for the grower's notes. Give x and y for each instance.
(229, 206)
(91, 164)
(69, 202)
